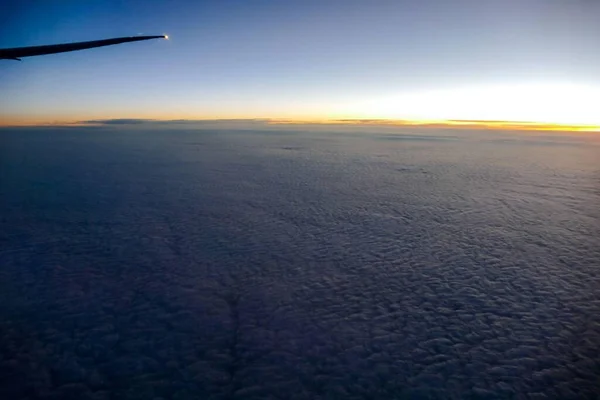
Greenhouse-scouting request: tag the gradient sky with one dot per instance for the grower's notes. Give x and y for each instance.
(525, 60)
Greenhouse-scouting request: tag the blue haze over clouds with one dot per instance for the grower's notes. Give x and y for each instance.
(181, 263)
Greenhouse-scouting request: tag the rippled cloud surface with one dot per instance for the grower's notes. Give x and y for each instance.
(198, 264)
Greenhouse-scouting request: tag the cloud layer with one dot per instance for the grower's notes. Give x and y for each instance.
(260, 264)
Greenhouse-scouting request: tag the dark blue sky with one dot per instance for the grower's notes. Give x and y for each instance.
(305, 59)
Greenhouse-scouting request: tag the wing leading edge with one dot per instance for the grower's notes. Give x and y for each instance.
(18, 52)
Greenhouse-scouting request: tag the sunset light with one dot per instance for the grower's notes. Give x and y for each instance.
(563, 104)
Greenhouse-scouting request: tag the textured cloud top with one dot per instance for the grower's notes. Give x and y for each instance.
(298, 265)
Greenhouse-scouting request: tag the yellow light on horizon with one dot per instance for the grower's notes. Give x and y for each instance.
(566, 104)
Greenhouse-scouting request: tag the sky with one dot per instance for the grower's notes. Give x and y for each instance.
(509, 60)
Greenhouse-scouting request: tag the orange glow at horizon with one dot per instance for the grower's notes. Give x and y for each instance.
(19, 121)
(549, 106)
(506, 125)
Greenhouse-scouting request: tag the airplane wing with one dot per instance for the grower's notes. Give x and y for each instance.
(18, 52)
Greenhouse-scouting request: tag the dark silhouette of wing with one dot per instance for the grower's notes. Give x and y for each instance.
(18, 52)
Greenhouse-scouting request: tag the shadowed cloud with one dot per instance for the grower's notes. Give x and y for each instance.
(307, 265)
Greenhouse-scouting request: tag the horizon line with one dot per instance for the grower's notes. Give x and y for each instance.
(442, 123)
